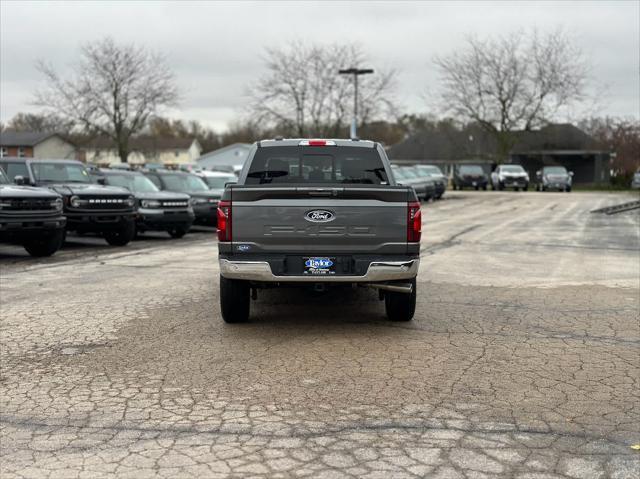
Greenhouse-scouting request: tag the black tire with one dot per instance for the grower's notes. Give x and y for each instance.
(526, 187)
(177, 232)
(544, 188)
(122, 236)
(515, 188)
(567, 189)
(400, 306)
(234, 300)
(46, 245)
(484, 187)
(500, 187)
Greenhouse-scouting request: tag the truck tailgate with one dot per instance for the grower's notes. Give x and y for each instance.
(362, 219)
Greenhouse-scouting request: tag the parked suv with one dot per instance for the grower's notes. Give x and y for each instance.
(438, 177)
(31, 217)
(216, 180)
(635, 182)
(203, 201)
(509, 176)
(423, 185)
(157, 210)
(88, 207)
(554, 178)
(472, 176)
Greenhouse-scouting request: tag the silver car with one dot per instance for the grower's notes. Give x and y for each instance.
(554, 178)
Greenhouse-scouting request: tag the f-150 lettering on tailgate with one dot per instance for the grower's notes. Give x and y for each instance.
(319, 230)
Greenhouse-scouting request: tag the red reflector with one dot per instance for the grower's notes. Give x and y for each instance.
(414, 222)
(317, 142)
(224, 221)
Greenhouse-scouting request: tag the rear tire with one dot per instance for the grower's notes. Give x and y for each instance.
(46, 245)
(401, 306)
(122, 236)
(484, 187)
(234, 300)
(568, 189)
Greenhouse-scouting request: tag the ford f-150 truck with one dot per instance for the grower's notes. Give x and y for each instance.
(321, 213)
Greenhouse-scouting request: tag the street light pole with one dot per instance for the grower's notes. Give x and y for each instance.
(355, 72)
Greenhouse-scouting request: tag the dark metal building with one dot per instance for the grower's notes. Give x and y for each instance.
(556, 144)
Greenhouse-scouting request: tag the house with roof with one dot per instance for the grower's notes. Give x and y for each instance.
(167, 151)
(229, 158)
(35, 144)
(555, 144)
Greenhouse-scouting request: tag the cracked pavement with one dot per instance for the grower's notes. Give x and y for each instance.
(522, 360)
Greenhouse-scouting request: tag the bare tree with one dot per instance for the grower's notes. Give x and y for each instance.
(303, 94)
(514, 82)
(621, 136)
(39, 122)
(113, 91)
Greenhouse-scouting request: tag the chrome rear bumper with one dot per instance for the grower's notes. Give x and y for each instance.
(377, 271)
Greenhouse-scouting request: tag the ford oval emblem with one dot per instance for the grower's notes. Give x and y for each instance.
(319, 216)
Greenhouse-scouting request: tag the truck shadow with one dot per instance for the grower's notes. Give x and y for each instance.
(303, 306)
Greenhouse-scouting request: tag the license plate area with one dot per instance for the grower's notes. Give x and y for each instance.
(319, 266)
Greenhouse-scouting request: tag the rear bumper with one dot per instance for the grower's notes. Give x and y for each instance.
(378, 271)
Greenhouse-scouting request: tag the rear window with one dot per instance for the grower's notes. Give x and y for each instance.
(308, 164)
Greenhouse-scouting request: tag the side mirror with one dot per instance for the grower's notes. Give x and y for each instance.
(539, 173)
(571, 173)
(101, 181)
(19, 180)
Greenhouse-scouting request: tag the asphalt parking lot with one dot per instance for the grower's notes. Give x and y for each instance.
(522, 360)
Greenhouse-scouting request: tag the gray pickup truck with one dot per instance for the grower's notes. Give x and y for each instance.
(318, 213)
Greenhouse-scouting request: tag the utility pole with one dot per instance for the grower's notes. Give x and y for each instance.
(355, 72)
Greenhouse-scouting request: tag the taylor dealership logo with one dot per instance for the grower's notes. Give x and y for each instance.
(319, 216)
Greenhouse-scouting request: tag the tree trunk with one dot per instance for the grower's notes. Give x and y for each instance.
(123, 151)
(505, 144)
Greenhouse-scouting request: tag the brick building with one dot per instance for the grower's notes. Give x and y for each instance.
(33, 144)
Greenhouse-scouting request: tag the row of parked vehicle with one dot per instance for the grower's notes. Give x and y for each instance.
(511, 176)
(428, 181)
(41, 200)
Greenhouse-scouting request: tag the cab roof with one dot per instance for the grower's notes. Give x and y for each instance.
(329, 142)
(18, 159)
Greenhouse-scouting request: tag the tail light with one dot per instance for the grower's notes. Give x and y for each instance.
(414, 222)
(224, 221)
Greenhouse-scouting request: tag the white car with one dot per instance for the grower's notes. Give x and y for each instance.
(509, 176)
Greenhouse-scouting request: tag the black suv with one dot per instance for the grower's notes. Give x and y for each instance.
(203, 200)
(106, 210)
(472, 176)
(157, 210)
(31, 217)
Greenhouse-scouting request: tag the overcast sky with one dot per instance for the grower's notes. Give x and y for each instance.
(216, 48)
